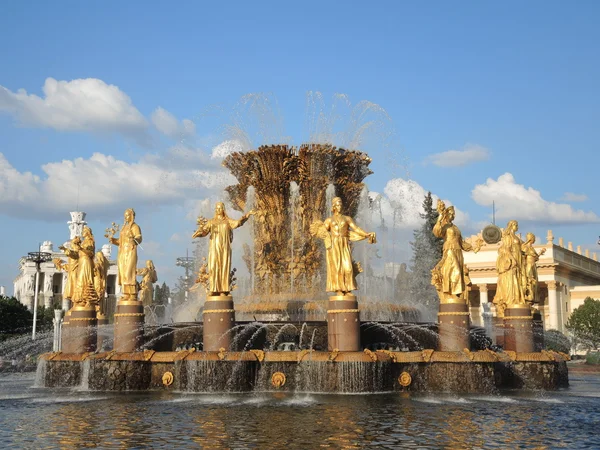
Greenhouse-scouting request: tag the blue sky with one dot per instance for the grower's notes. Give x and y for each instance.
(510, 87)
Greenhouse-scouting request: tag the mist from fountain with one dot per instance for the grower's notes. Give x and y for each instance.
(256, 120)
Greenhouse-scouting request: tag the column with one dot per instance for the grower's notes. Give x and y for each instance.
(57, 329)
(66, 303)
(483, 306)
(553, 306)
(485, 311)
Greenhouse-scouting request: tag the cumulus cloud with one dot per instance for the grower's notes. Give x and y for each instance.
(227, 147)
(571, 197)
(405, 197)
(103, 184)
(470, 153)
(78, 105)
(167, 124)
(89, 105)
(515, 201)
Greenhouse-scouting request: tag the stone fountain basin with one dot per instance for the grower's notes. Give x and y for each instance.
(305, 371)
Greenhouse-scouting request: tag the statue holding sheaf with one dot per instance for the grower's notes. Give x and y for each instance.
(450, 275)
(130, 237)
(337, 232)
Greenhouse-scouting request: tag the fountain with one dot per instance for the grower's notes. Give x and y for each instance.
(283, 332)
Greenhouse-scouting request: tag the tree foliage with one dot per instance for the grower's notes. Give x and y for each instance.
(15, 318)
(427, 251)
(161, 294)
(178, 293)
(584, 323)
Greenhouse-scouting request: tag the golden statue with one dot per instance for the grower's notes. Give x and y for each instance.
(450, 276)
(512, 281)
(85, 293)
(70, 267)
(220, 228)
(101, 266)
(130, 236)
(337, 232)
(149, 277)
(531, 259)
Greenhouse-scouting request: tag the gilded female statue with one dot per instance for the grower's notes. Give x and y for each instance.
(531, 259)
(130, 236)
(337, 231)
(85, 293)
(149, 277)
(101, 266)
(510, 267)
(450, 276)
(220, 228)
(70, 267)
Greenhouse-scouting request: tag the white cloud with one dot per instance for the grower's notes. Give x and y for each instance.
(225, 148)
(571, 197)
(89, 105)
(175, 237)
(515, 201)
(471, 153)
(78, 105)
(103, 184)
(406, 196)
(167, 124)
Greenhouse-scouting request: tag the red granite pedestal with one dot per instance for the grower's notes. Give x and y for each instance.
(518, 329)
(343, 324)
(81, 331)
(453, 329)
(219, 318)
(129, 326)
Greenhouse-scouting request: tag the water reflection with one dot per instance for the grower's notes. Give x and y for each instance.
(70, 419)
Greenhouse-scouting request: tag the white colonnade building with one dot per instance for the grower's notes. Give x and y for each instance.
(566, 277)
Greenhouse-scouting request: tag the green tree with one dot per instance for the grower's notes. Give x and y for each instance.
(161, 294)
(178, 293)
(45, 318)
(427, 251)
(15, 318)
(584, 323)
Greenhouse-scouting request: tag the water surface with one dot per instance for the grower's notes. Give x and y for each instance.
(73, 418)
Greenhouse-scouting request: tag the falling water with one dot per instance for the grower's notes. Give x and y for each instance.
(250, 204)
(364, 217)
(312, 339)
(301, 334)
(294, 199)
(329, 196)
(85, 375)
(40, 373)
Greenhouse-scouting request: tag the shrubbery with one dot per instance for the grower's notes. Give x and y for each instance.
(557, 341)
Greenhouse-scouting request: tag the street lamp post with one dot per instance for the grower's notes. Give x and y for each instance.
(38, 258)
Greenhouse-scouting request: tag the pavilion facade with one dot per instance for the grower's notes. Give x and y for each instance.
(566, 277)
